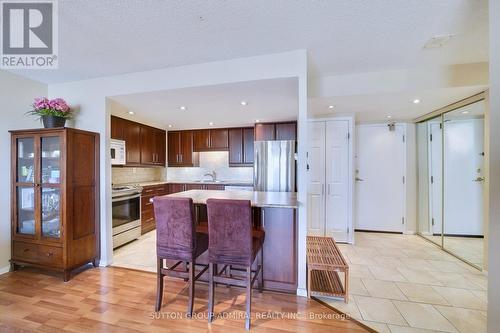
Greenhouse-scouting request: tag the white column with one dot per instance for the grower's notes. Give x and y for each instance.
(494, 207)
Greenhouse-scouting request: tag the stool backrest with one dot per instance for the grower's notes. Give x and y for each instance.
(230, 231)
(175, 227)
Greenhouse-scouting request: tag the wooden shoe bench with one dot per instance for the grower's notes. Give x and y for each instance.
(324, 263)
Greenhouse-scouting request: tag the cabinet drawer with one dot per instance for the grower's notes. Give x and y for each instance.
(50, 255)
(25, 251)
(147, 214)
(41, 254)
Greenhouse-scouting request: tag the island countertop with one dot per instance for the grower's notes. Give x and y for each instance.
(258, 199)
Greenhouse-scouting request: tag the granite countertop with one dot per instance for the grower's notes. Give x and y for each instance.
(222, 182)
(258, 199)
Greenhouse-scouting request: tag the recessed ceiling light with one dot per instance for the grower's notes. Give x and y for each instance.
(211, 123)
(170, 126)
(465, 112)
(389, 117)
(131, 113)
(243, 103)
(330, 106)
(183, 108)
(416, 101)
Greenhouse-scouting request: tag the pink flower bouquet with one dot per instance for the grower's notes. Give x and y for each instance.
(56, 107)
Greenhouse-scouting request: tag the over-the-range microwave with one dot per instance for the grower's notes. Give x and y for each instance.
(118, 152)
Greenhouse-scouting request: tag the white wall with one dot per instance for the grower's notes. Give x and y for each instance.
(90, 97)
(16, 95)
(494, 170)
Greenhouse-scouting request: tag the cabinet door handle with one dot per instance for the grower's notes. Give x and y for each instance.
(182, 158)
(177, 158)
(263, 217)
(50, 254)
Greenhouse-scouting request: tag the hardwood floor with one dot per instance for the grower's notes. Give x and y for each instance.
(120, 300)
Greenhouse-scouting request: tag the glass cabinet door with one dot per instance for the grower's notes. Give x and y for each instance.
(51, 160)
(25, 151)
(25, 210)
(25, 189)
(51, 213)
(50, 194)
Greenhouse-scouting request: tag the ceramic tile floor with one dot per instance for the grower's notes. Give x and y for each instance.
(139, 254)
(469, 248)
(404, 284)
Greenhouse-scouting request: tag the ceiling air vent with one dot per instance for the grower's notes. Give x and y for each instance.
(438, 41)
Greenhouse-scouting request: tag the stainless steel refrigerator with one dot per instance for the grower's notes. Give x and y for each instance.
(274, 166)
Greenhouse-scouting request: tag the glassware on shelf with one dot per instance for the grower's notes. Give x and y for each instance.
(25, 160)
(25, 210)
(51, 226)
(51, 153)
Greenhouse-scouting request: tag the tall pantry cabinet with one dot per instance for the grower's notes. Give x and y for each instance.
(330, 178)
(55, 198)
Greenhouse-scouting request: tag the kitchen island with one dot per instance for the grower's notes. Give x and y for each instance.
(275, 213)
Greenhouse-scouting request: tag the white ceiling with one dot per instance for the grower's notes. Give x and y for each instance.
(267, 100)
(105, 37)
(400, 106)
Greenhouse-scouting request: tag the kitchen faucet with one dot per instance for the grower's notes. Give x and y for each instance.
(211, 174)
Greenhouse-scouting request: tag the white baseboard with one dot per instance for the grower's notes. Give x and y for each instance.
(409, 232)
(301, 292)
(4, 270)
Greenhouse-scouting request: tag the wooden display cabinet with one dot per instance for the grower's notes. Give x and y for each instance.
(55, 199)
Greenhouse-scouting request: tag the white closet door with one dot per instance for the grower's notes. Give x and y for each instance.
(337, 179)
(316, 179)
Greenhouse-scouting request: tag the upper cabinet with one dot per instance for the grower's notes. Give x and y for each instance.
(276, 131)
(153, 146)
(241, 146)
(145, 145)
(180, 149)
(265, 132)
(211, 139)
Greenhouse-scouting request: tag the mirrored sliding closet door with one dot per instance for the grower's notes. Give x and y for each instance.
(451, 181)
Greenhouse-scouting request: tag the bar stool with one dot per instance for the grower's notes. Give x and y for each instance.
(177, 239)
(232, 242)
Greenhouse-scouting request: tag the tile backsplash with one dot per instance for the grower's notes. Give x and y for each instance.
(217, 161)
(121, 175)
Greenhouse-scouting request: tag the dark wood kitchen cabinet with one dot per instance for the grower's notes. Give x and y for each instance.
(148, 221)
(241, 146)
(276, 131)
(153, 146)
(180, 149)
(211, 139)
(265, 132)
(286, 131)
(132, 137)
(55, 199)
(280, 249)
(145, 145)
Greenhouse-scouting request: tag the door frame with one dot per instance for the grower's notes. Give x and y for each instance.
(405, 141)
(351, 145)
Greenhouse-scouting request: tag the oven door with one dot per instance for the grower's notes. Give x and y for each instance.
(126, 213)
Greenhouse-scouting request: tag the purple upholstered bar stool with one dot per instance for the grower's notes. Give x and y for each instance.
(232, 242)
(177, 239)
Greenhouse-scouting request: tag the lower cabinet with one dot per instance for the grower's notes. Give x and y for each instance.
(280, 249)
(147, 212)
(148, 222)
